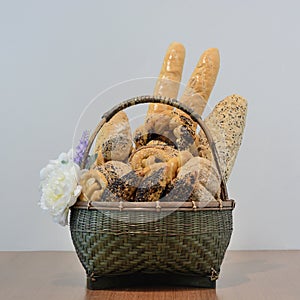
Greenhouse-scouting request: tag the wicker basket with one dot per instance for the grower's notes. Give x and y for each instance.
(123, 244)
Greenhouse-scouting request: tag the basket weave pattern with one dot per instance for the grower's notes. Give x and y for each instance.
(193, 242)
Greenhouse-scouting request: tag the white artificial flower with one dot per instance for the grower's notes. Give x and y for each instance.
(59, 187)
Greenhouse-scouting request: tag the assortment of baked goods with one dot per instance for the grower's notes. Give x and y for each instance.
(168, 158)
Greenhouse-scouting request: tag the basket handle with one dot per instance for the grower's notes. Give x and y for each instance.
(163, 100)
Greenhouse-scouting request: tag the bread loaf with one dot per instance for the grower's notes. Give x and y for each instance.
(114, 141)
(169, 78)
(202, 81)
(226, 124)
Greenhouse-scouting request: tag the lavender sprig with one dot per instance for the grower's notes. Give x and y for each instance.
(80, 149)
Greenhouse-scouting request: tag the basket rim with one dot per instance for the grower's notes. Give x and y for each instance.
(156, 206)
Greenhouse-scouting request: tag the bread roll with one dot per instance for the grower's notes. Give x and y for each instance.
(153, 184)
(141, 136)
(197, 180)
(145, 134)
(123, 188)
(139, 158)
(207, 175)
(226, 124)
(157, 176)
(93, 185)
(114, 169)
(172, 165)
(114, 141)
(181, 189)
(200, 193)
(158, 122)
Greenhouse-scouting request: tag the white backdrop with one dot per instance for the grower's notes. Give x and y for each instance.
(57, 55)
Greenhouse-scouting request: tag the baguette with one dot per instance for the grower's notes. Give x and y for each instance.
(169, 78)
(202, 81)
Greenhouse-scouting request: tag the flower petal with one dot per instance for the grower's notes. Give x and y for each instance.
(59, 186)
(62, 218)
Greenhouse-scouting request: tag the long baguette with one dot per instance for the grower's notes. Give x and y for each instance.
(169, 78)
(202, 81)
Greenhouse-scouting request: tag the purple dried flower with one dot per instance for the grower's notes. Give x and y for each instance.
(80, 149)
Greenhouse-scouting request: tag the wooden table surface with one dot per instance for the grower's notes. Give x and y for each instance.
(59, 275)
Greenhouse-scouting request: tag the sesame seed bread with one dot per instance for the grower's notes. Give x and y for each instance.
(114, 141)
(226, 124)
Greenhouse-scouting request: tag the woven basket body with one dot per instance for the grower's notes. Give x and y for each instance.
(187, 243)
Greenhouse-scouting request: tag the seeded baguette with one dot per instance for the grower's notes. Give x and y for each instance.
(226, 124)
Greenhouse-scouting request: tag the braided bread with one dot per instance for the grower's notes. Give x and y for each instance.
(138, 159)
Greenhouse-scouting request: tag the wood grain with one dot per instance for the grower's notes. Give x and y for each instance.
(59, 275)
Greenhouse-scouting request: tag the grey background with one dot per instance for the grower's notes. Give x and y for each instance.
(55, 56)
